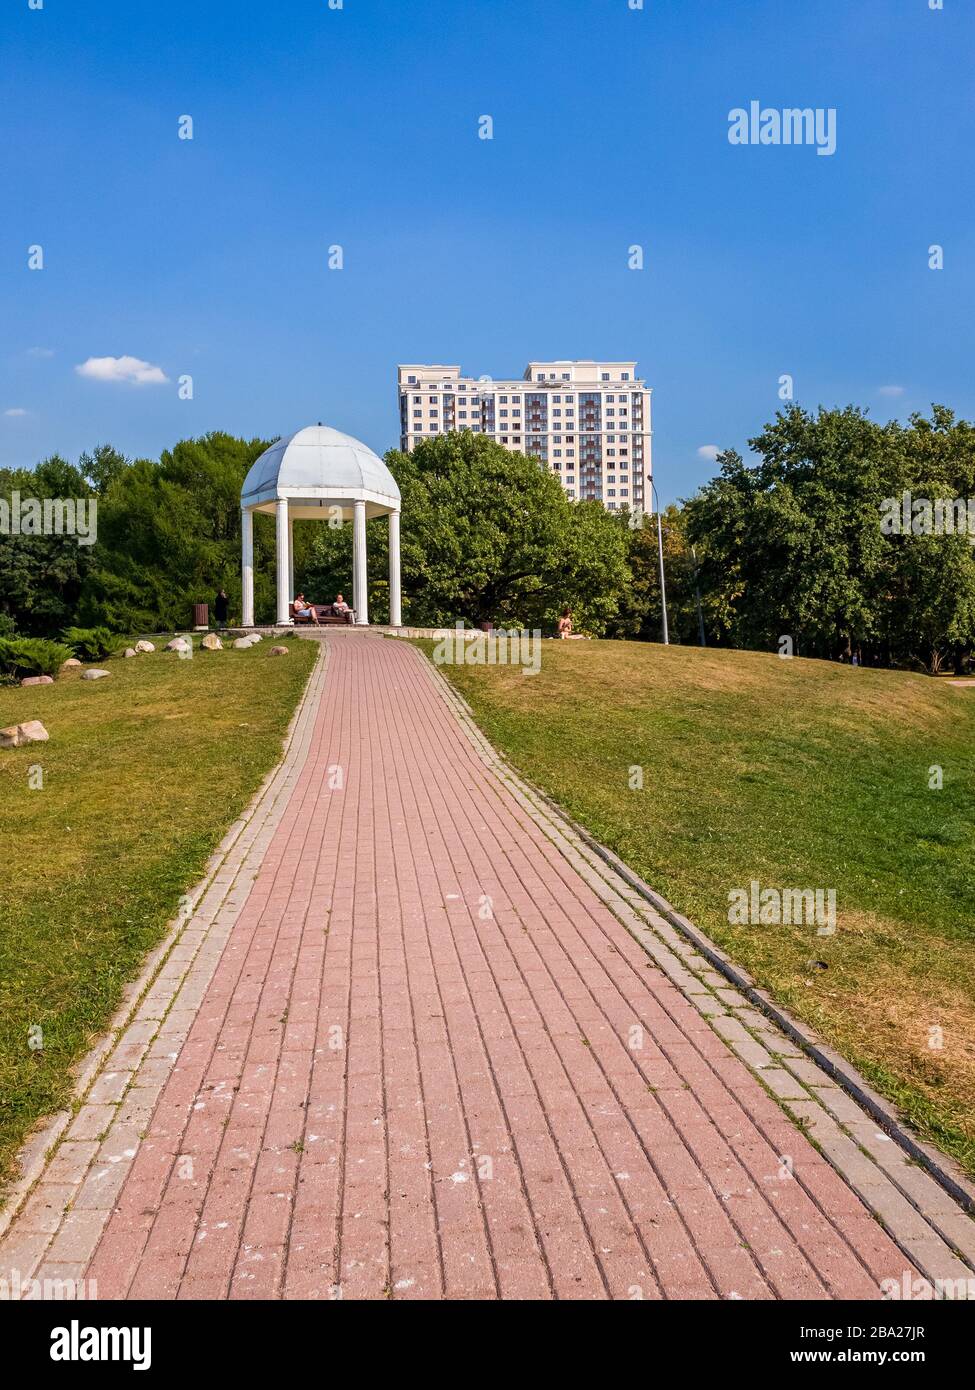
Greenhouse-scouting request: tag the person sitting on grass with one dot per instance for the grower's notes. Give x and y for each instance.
(305, 611)
(565, 624)
(340, 605)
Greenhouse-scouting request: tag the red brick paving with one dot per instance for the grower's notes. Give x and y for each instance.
(415, 1071)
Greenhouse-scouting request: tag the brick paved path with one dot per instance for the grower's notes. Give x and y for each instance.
(431, 1062)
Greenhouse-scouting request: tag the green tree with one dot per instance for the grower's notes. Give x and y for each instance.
(169, 536)
(490, 535)
(793, 545)
(41, 577)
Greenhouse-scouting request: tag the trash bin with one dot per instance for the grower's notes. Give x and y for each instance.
(201, 616)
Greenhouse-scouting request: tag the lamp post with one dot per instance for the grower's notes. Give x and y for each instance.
(697, 593)
(660, 556)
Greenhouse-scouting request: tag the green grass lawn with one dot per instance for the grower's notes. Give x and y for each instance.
(797, 774)
(142, 776)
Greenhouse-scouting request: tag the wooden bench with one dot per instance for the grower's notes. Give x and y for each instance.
(326, 615)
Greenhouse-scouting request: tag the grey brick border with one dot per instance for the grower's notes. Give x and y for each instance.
(218, 896)
(941, 1168)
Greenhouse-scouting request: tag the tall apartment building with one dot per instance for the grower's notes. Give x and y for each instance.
(589, 422)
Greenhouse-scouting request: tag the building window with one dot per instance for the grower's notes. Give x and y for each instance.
(411, 380)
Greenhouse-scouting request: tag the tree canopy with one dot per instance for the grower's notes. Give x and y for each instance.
(790, 543)
(793, 544)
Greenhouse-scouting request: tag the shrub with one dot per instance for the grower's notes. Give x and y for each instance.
(31, 656)
(91, 643)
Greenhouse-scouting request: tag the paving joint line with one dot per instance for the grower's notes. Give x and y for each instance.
(939, 1167)
(41, 1149)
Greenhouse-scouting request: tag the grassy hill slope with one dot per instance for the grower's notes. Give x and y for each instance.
(796, 774)
(141, 777)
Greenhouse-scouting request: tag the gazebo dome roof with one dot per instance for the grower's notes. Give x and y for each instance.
(318, 464)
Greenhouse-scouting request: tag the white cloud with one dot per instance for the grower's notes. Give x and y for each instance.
(15, 412)
(40, 352)
(891, 390)
(130, 369)
(708, 451)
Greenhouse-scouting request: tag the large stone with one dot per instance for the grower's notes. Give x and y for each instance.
(211, 643)
(130, 651)
(33, 731)
(70, 664)
(254, 637)
(242, 644)
(144, 647)
(279, 651)
(95, 674)
(38, 680)
(178, 644)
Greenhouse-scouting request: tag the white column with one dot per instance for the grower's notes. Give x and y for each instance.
(395, 604)
(360, 590)
(291, 558)
(355, 606)
(282, 557)
(247, 565)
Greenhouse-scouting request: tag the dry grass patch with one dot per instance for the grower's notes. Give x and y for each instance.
(795, 774)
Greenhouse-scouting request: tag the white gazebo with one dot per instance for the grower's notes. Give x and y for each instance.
(320, 474)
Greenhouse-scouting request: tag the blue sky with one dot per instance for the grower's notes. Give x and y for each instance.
(358, 127)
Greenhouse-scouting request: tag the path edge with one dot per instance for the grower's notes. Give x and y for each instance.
(39, 1147)
(940, 1166)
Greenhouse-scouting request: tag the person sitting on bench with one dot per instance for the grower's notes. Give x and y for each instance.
(340, 605)
(305, 611)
